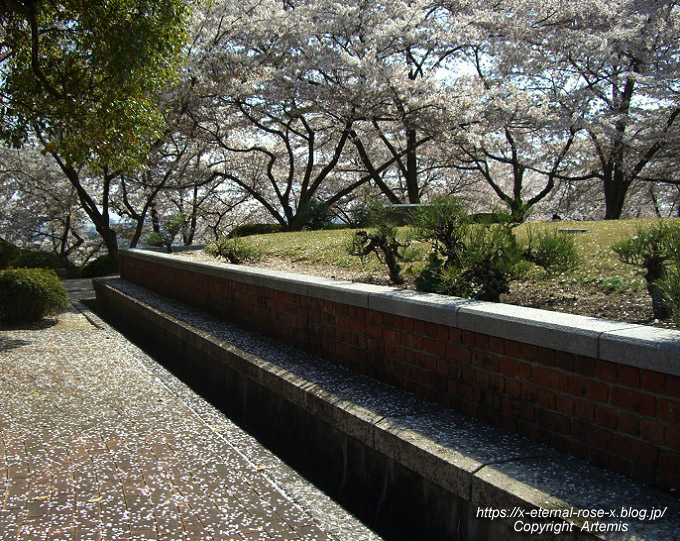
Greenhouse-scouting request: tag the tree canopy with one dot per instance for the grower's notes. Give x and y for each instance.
(290, 108)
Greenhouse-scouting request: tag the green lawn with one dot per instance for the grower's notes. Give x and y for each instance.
(600, 265)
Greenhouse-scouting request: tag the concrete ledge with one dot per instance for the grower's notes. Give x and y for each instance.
(634, 345)
(476, 465)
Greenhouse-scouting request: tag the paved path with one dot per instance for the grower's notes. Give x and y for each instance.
(98, 442)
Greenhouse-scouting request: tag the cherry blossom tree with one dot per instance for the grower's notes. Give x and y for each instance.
(618, 68)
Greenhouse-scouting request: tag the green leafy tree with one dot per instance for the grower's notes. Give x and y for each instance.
(79, 78)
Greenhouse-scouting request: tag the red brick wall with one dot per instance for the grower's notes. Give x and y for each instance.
(618, 416)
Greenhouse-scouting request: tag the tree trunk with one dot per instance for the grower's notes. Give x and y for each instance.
(111, 243)
(656, 271)
(412, 190)
(614, 198)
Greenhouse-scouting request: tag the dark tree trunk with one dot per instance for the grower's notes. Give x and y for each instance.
(412, 190)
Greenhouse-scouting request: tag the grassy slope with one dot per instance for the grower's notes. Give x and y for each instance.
(600, 264)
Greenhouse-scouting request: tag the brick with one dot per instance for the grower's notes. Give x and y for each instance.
(584, 409)
(529, 393)
(458, 353)
(435, 347)
(443, 367)
(669, 411)
(591, 389)
(397, 322)
(549, 378)
(455, 335)
(529, 352)
(468, 338)
(419, 327)
(670, 462)
(374, 331)
(467, 374)
(673, 437)
(605, 371)
(564, 361)
(407, 325)
(634, 401)
(513, 388)
(481, 378)
(431, 329)
(553, 421)
(375, 346)
(651, 431)
(515, 369)
(497, 345)
(546, 356)
(628, 376)
(560, 443)
(482, 341)
(594, 436)
(490, 363)
(673, 386)
(564, 404)
(413, 341)
(513, 349)
(391, 336)
(606, 417)
(546, 398)
(586, 366)
(634, 449)
(467, 391)
(376, 318)
(428, 362)
(404, 355)
(496, 383)
(423, 377)
(629, 423)
(654, 382)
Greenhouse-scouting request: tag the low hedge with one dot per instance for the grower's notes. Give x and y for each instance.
(7, 252)
(100, 266)
(28, 295)
(34, 259)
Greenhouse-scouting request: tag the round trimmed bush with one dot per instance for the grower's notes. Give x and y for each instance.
(28, 295)
(100, 266)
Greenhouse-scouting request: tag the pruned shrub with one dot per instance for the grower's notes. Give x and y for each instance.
(28, 295)
(314, 215)
(247, 230)
(7, 252)
(35, 259)
(472, 261)
(670, 291)
(555, 252)
(381, 241)
(100, 266)
(654, 250)
(233, 250)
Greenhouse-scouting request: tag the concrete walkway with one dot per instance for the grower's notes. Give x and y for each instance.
(97, 441)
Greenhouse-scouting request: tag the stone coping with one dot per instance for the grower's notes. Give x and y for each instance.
(482, 464)
(625, 343)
